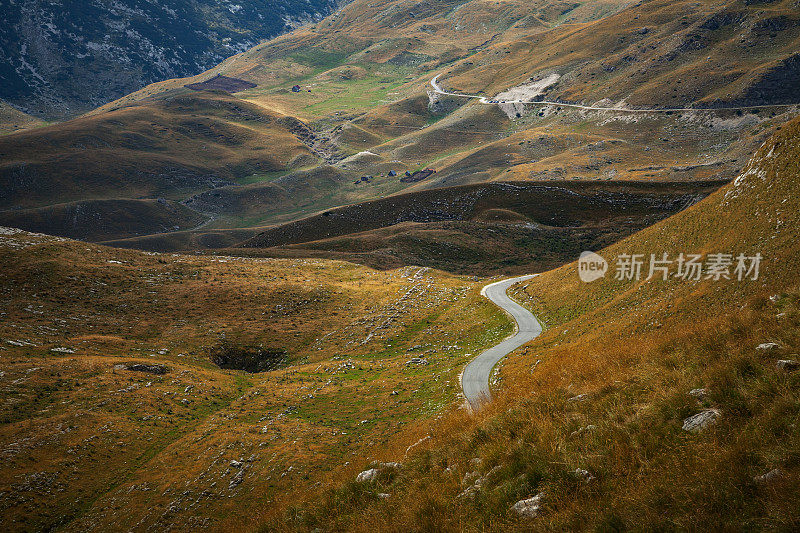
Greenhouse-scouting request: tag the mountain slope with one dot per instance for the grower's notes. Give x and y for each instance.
(365, 108)
(593, 415)
(60, 59)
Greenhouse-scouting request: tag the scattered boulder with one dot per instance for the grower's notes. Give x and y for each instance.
(143, 367)
(367, 476)
(384, 496)
(473, 489)
(699, 394)
(701, 420)
(150, 369)
(579, 398)
(788, 365)
(417, 361)
(236, 464)
(470, 477)
(768, 346)
(372, 474)
(584, 475)
(769, 476)
(62, 349)
(237, 479)
(530, 507)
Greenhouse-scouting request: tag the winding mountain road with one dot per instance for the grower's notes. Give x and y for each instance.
(475, 379)
(484, 100)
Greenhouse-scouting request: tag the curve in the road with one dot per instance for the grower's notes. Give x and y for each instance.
(475, 379)
(485, 100)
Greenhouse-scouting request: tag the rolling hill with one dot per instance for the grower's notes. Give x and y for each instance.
(365, 109)
(263, 379)
(499, 227)
(118, 412)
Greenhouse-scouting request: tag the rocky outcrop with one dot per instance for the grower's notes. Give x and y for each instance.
(701, 420)
(372, 474)
(767, 346)
(143, 367)
(530, 507)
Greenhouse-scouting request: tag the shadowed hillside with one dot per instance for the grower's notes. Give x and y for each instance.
(483, 229)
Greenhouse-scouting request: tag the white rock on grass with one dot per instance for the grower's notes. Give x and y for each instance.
(579, 398)
(701, 420)
(368, 476)
(788, 365)
(699, 394)
(476, 487)
(768, 346)
(584, 475)
(769, 476)
(470, 477)
(529, 508)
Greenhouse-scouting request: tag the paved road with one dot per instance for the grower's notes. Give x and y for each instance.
(475, 379)
(485, 100)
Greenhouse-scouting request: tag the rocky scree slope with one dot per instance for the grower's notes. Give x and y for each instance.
(59, 59)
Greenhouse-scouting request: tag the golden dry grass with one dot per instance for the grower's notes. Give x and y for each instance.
(87, 445)
(635, 350)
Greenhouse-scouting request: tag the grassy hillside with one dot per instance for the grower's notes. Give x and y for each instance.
(365, 108)
(115, 413)
(169, 148)
(105, 219)
(658, 53)
(606, 390)
(12, 119)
